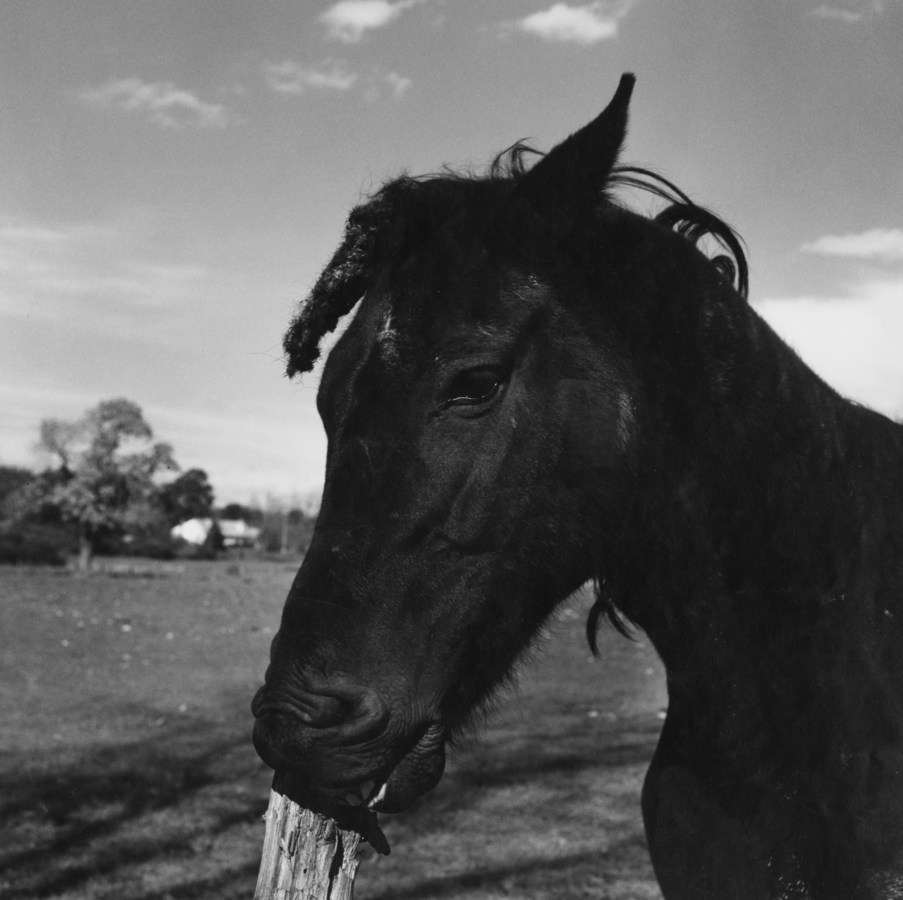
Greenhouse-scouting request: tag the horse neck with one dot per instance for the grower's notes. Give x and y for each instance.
(762, 495)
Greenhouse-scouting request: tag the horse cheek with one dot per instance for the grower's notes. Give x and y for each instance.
(599, 425)
(471, 515)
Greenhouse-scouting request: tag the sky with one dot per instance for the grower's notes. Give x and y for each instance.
(175, 173)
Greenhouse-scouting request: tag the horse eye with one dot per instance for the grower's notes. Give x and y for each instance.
(473, 387)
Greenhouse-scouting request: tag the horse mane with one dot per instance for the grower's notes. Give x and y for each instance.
(691, 221)
(688, 219)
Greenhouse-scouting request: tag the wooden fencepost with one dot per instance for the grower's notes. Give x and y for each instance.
(306, 856)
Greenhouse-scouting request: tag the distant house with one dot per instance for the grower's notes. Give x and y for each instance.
(235, 532)
(192, 531)
(238, 533)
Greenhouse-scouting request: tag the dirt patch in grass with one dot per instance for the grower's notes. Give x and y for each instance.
(127, 771)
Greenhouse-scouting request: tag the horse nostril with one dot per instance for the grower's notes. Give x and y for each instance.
(320, 711)
(332, 706)
(312, 710)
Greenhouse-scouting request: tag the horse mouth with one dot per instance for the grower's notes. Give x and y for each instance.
(394, 788)
(347, 780)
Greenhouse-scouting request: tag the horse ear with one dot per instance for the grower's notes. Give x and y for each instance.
(572, 175)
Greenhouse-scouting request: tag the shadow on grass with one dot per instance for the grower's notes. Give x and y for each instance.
(450, 885)
(573, 797)
(526, 758)
(97, 823)
(531, 763)
(548, 876)
(176, 814)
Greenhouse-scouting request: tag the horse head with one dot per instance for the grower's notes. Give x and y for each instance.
(540, 387)
(473, 431)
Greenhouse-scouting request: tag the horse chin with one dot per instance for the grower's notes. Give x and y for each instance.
(418, 772)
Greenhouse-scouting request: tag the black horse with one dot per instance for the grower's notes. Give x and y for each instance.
(542, 387)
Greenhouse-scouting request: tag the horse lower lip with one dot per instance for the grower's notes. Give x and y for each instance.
(415, 774)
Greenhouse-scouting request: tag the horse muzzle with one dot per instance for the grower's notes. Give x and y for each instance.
(339, 744)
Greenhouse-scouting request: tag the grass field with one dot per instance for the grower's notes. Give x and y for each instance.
(126, 768)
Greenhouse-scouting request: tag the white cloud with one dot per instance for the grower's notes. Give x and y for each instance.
(835, 13)
(398, 84)
(289, 77)
(377, 85)
(292, 78)
(852, 340)
(160, 102)
(882, 244)
(863, 9)
(349, 20)
(98, 277)
(584, 24)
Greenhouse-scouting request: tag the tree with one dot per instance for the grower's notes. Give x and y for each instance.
(28, 536)
(103, 468)
(235, 511)
(12, 480)
(190, 496)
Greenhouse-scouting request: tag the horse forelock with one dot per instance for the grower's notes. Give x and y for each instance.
(381, 233)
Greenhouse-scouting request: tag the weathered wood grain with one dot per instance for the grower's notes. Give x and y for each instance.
(306, 856)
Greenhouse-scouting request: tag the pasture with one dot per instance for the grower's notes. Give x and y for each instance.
(127, 771)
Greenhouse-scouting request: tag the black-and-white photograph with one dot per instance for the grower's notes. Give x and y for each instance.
(451, 450)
